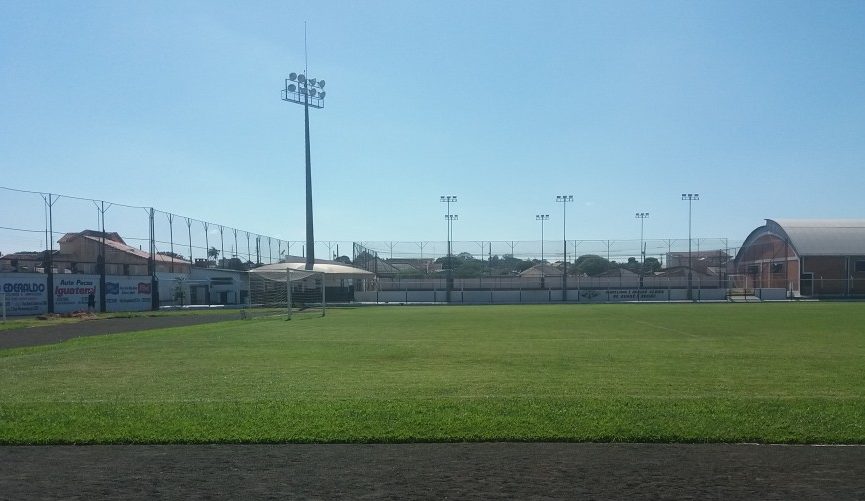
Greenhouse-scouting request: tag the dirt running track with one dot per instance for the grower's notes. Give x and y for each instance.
(413, 471)
(433, 471)
(51, 334)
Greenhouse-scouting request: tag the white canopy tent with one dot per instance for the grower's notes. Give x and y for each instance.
(330, 269)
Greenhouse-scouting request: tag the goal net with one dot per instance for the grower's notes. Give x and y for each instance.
(285, 293)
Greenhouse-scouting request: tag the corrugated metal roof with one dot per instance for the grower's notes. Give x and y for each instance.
(128, 249)
(824, 237)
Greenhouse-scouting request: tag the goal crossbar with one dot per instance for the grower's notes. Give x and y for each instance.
(287, 289)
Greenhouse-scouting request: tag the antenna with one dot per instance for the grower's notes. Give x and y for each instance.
(305, 51)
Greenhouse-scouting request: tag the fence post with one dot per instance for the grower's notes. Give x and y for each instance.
(151, 265)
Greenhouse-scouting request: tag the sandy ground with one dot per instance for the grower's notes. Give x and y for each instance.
(413, 471)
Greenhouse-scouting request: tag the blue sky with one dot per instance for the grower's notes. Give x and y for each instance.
(757, 106)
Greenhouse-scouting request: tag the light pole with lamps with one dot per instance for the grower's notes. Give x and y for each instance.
(448, 199)
(642, 217)
(564, 200)
(310, 93)
(690, 197)
(450, 285)
(542, 218)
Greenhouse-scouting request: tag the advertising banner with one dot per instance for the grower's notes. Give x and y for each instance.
(71, 292)
(25, 293)
(127, 293)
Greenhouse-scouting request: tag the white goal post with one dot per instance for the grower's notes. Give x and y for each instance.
(285, 292)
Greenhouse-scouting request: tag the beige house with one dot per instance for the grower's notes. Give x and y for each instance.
(79, 253)
(542, 270)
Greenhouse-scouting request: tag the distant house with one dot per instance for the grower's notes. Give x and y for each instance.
(811, 257)
(682, 272)
(710, 262)
(23, 262)
(396, 267)
(541, 270)
(618, 273)
(80, 252)
(408, 265)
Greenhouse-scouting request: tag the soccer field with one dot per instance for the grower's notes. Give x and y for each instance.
(648, 373)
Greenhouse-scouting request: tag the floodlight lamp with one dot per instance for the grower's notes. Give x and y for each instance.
(312, 92)
(301, 78)
(292, 88)
(312, 81)
(292, 76)
(321, 95)
(321, 83)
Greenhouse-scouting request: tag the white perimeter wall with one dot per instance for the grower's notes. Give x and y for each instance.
(27, 293)
(551, 296)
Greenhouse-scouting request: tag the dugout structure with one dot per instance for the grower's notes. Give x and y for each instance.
(288, 288)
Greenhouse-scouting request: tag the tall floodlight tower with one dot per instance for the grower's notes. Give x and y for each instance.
(642, 217)
(308, 92)
(542, 218)
(690, 197)
(448, 199)
(564, 200)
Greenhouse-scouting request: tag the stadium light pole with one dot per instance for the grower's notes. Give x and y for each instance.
(642, 217)
(542, 218)
(448, 199)
(310, 93)
(564, 200)
(450, 285)
(690, 197)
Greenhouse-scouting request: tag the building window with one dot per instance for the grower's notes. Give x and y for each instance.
(777, 267)
(753, 269)
(859, 267)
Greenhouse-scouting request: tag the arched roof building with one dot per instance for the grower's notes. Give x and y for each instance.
(808, 257)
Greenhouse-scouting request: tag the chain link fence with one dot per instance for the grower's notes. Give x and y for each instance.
(118, 252)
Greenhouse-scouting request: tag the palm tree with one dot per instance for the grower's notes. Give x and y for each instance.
(213, 252)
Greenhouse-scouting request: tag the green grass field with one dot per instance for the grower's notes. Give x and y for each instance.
(648, 373)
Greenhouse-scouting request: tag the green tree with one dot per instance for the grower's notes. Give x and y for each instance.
(651, 265)
(508, 265)
(592, 264)
(470, 268)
